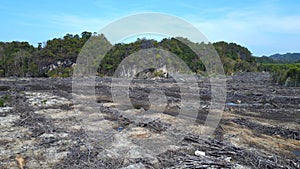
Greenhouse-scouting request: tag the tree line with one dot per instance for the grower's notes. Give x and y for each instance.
(56, 57)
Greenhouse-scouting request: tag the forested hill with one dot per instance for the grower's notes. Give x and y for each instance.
(286, 58)
(56, 57)
(280, 58)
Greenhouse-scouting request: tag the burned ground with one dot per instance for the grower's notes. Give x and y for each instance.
(43, 125)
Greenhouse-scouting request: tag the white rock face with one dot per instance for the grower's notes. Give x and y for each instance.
(135, 166)
(238, 166)
(164, 70)
(5, 109)
(8, 121)
(199, 153)
(45, 99)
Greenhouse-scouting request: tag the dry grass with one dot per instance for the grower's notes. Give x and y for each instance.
(248, 138)
(140, 133)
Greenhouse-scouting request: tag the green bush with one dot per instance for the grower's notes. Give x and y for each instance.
(2, 73)
(284, 74)
(4, 99)
(293, 74)
(159, 73)
(2, 103)
(60, 72)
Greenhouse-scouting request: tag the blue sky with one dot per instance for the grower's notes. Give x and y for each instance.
(264, 27)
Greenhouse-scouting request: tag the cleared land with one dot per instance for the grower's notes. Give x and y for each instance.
(43, 127)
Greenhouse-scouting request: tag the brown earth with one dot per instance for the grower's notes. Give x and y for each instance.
(43, 127)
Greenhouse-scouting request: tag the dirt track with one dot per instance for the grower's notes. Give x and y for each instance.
(41, 124)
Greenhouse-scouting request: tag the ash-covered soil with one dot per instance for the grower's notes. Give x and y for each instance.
(43, 126)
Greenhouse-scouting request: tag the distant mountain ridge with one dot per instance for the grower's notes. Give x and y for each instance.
(288, 57)
(280, 58)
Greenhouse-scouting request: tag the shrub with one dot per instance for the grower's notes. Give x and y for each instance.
(159, 73)
(2, 103)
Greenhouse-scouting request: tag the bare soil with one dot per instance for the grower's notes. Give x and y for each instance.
(43, 127)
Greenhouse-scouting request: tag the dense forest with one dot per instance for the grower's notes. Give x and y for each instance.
(22, 59)
(57, 57)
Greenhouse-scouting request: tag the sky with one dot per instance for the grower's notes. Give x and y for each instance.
(264, 27)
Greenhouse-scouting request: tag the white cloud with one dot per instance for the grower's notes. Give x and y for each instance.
(254, 29)
(75, 23)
